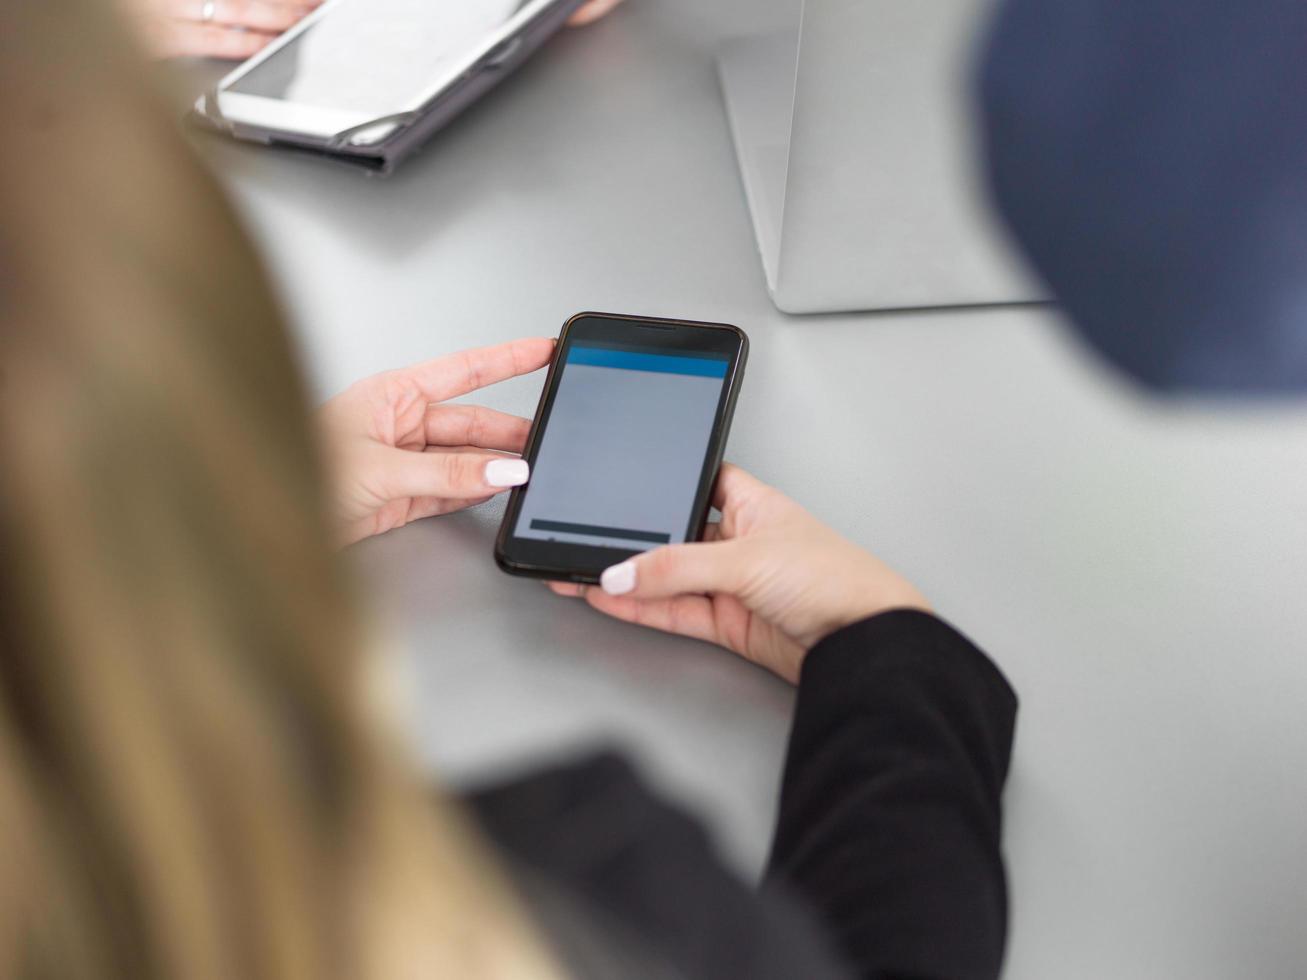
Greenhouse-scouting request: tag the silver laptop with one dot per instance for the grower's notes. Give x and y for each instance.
(855, 138)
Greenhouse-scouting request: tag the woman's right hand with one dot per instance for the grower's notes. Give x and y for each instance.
(768, 582)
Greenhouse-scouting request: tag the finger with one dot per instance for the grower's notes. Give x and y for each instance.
(685, 615)
(457, 374)
(422, 507)
(590, 12)
(457, 476)
(472, 425)
(711, 532)
(261, 15)
(732, 484)
(181, 39)
(572, 590)
(679, 569)
(467, 449)
(691, 616)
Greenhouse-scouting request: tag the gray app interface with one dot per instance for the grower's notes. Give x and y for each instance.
(624, 447)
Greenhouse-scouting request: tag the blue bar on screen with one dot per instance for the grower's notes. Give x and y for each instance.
(638, 361)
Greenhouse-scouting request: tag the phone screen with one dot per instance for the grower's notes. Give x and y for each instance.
(620, 458)
(374, 56)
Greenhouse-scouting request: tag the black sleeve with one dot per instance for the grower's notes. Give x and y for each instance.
(890, 807)
(626, 885)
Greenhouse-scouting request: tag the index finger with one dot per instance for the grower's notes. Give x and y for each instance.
(457, 374)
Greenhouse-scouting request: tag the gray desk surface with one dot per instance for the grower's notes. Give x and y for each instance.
(1137, 568)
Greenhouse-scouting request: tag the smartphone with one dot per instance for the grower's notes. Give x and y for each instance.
(625, 446)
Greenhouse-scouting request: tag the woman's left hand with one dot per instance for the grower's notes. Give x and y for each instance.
(397, 454)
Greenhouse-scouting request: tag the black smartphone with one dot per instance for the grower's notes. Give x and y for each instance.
(625, 446)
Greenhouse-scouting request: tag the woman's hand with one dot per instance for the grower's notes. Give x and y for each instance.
(768, 582)
(398, 455)
(215, 28)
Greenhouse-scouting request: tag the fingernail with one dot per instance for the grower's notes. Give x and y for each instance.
(507, 472)
(619, 579)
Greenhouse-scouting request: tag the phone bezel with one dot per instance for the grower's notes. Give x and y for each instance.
(569, 562)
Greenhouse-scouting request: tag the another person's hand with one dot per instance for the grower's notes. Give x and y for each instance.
(768, 582)
(397, 454)
(232, 29)
(237, 29)
(590, 12)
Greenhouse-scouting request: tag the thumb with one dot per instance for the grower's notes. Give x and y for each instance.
(714, 566)
(458, 476)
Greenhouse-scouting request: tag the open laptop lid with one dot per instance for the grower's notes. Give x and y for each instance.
(856, 143)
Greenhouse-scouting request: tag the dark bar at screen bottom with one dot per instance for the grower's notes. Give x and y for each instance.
(595, 531)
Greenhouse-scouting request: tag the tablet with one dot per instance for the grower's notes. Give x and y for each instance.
(353, 66)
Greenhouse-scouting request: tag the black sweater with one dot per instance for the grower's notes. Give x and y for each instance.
(886, 860)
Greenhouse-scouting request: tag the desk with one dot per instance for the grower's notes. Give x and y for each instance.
(1138, 569)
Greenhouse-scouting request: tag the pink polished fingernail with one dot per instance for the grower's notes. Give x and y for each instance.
(619, 579)
(507, 472)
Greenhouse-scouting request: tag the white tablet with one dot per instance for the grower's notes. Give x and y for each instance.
(355, 62)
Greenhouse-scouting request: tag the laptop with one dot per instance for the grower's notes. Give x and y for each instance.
(856, 143)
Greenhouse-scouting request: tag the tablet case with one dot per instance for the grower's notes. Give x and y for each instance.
(413, 127)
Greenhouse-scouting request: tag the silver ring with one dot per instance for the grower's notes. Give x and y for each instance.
(207, 9)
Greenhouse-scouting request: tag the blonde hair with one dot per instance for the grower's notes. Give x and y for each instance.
(189, 785)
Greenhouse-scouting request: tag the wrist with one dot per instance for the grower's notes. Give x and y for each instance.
(863, 602)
